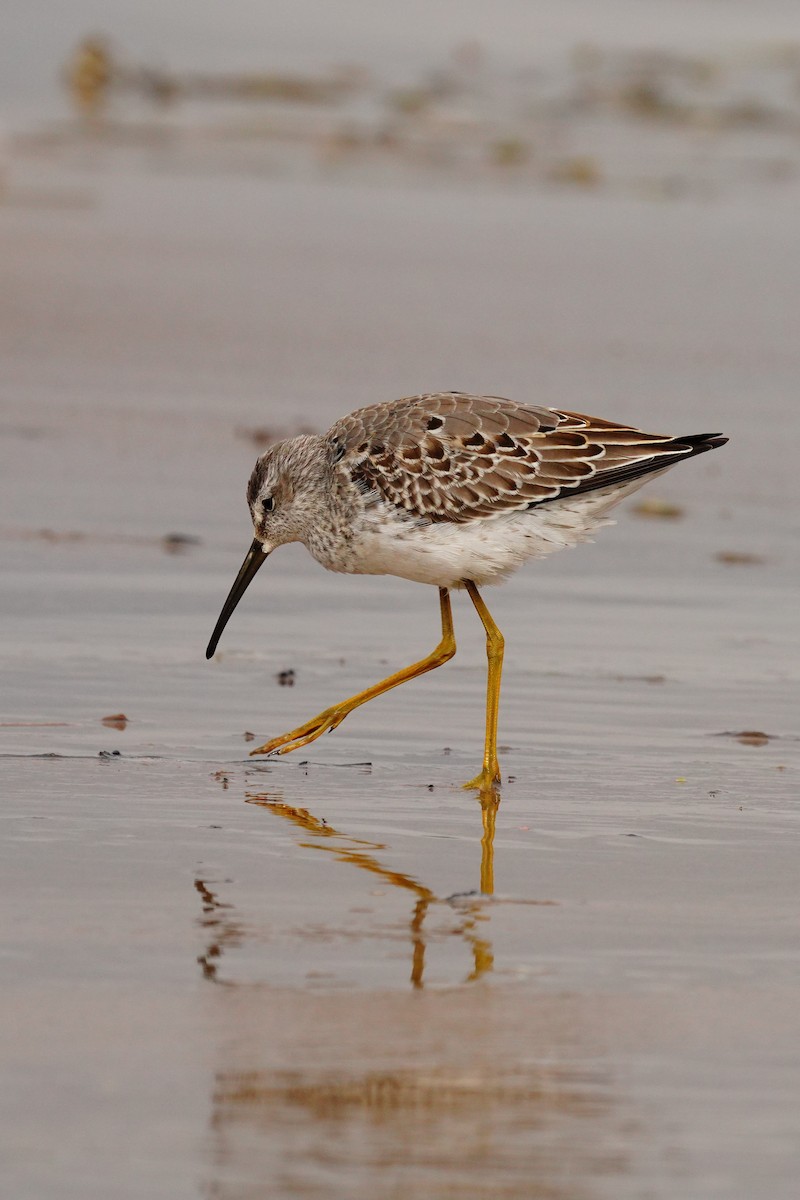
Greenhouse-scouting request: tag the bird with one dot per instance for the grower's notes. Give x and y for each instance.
(448, 489)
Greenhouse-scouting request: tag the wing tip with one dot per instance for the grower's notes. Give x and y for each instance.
(700, 442)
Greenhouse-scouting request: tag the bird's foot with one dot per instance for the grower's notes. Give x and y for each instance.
(309, 732)
(488, 780)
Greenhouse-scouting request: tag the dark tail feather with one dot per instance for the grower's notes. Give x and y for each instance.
(695, 443)
(700, 442)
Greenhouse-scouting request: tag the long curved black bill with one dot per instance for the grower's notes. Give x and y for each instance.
(255, 558)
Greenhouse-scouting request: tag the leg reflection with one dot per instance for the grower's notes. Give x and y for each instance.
(418, 942)
(490, 802)
(363, 854)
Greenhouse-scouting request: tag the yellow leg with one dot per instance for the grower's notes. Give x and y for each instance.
(333, 716)
(489, 777)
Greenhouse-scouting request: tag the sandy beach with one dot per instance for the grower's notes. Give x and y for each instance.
(333, 975)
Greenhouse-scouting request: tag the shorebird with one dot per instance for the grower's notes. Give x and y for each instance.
(451, 490)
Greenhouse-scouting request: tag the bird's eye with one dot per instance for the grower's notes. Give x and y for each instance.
(269, 503)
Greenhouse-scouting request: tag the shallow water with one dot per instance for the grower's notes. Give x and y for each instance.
(235, 978)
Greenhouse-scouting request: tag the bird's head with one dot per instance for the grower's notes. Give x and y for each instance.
(282, 489)
(283, 495)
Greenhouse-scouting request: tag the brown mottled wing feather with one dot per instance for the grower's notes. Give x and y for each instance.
(455, 457)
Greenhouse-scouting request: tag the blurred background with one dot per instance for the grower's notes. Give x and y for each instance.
(270, 214)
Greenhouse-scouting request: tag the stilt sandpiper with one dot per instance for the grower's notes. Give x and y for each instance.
(451, 490)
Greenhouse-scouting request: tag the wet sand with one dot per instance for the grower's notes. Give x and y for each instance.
(232, 978)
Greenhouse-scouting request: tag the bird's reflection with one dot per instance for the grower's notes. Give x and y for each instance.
(490, 802)
(316, 1089)
(364, 855)
(532, 1133)
(223, 930)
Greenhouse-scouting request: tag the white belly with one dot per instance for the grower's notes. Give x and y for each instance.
(484, 551)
